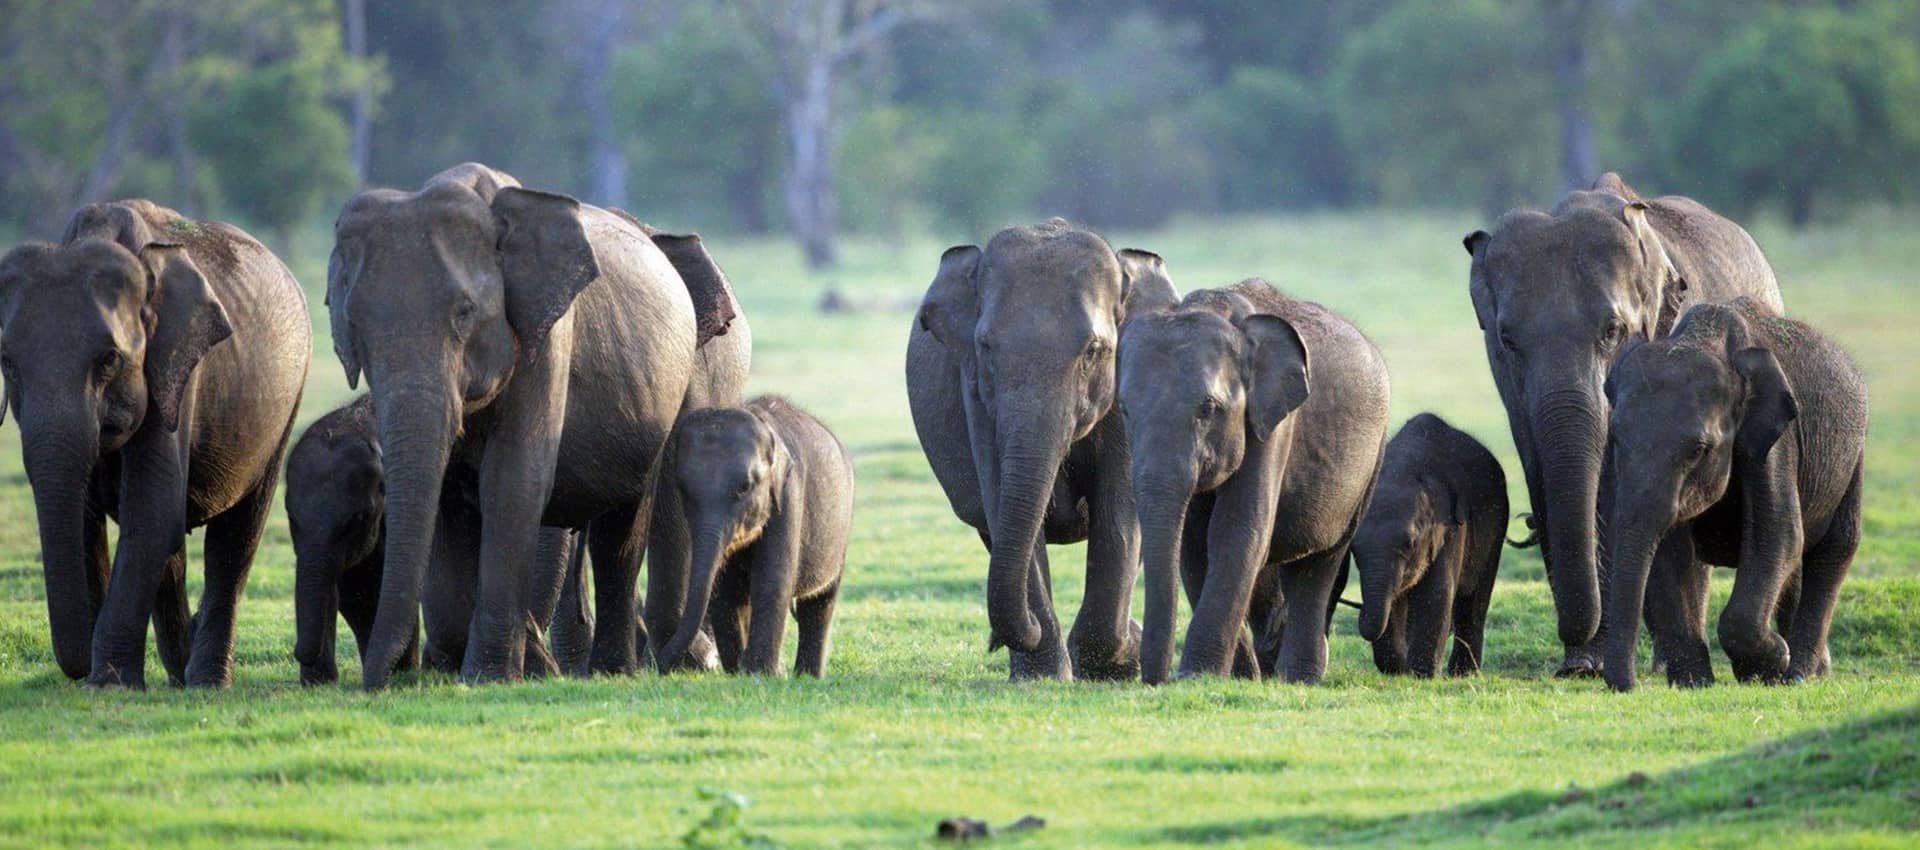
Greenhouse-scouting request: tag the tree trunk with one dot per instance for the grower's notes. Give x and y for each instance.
(608, 183)
(360, 108)
(1570, 71)
(173, 57)
(811, 204)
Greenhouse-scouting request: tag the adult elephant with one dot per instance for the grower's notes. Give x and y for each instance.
(1557, 296)
(527, 354)
(155, 364)
(1010, 377)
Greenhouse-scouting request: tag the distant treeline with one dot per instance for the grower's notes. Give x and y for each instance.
(820, 115)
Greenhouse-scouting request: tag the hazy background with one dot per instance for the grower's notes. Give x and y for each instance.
(823, 117)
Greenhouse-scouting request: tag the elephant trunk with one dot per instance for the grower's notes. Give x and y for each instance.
(1379, 583)
(416, 435)
(1161, 502)
(709, 548)
(316, 609)
(60, 452)
(1572, 435)
(1636, 529)
(1026, 484)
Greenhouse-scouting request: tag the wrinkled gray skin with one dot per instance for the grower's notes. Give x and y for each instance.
(154, 364)
(1256, 423)
(1557, 296)
(768, 494)
(1010, 381)
(527, 355)
(1428, 549)
(335, 501)
(1740, 438)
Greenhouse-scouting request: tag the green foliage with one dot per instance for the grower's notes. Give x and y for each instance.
(1807, 107)
(724, 827)
(1449, 102)
(1272, 138)
(703, 131)
(277, 146)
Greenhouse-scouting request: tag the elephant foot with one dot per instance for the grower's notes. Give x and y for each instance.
(109, 677)
(216, 675)
(1767, 661)
(313, 674)
(1109, 665)
(1581, 662)
(1050, 661)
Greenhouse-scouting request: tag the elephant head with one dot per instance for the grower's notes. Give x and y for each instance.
(1200, 387)
(729, 466)
(1033, 321)
(1688, 412)
(1401, 537)
(1557, 296)
(437, 296)
(99, 336)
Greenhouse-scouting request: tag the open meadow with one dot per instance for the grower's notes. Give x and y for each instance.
(916, 722)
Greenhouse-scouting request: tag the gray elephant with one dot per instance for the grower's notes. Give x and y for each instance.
(335, 501)
(768, 494)
(527, 355)
(1256, 424)
(155, 364)
(1557, 296)
(1010, 382)
(1428, 549)
(1740, 438)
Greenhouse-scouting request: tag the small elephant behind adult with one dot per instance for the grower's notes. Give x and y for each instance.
(1739, 439)
(336, 496)
(1428, 549)
(1255, 424)
(768, 495)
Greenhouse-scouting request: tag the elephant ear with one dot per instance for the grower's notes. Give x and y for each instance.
(544, 256)
(952, 304)
(1662, 289)
(713, 305)
(18, 268)
(188, 321)
(1144, 284)
(1477, 289)
(341, 273)
(1277, 372)
(1770, 404)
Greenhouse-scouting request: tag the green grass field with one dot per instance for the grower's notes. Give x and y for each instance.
(915, 722)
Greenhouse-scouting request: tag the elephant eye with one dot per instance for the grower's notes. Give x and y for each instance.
(109, 364)
(1615, 332)
(1697, 451)
(1209, 408)
(1507, 344)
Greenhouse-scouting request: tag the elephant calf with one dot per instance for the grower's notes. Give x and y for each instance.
(1741, 439)
(1255, 423)
(335, 505)
(1428, 548)
(767, 492)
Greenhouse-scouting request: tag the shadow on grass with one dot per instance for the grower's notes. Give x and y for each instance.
(1863, 775)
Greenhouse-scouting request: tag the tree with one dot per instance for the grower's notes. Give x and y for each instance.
(1808, 106)
(811, 44)
(280, 149)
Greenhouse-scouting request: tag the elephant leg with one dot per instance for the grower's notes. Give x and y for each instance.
(618, 541)
(172, 622)
(232, 539)
(1306, 585)
(1105, 642)
(1823, 568)
(1429, 607)
(1789, 602)
(1051, 660)
(1390, 651)
(1676, 609)
(1469, 633)
(815, 615)
(359, 601)
(549, 570)
(727, 616)
(446, 605)
(571, 632)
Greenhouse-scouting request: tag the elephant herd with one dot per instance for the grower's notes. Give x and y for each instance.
(553, 384)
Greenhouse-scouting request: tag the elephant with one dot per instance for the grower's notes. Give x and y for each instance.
(1557, 296)
(1256, 424)
(335, 501)
(1428, 549)
(155, 364)
(1010, 384)
(526, 355)
(1739, 440)
(768, 494)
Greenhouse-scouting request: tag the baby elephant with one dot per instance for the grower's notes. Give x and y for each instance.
(768, 495)
(1428, 548)
(335, 507)
(1738, 441)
